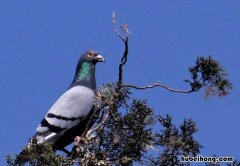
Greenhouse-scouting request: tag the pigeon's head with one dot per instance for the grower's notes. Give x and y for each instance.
(92, 57)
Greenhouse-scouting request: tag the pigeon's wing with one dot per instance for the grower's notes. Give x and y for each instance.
(68, 111)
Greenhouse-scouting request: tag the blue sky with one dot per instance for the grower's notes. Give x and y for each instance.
(42, 41)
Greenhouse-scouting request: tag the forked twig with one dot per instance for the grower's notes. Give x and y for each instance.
(115, 27)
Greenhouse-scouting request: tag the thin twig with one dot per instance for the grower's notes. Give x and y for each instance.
(156, 85)
(125, 29)
(115, 27)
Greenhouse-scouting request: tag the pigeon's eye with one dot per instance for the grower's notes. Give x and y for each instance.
(90, 54)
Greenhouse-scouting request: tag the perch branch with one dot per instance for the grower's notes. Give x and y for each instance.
(157, 84)
(90, 122)
(102, 122)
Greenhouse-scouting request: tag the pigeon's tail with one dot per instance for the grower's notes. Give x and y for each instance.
(46, 137)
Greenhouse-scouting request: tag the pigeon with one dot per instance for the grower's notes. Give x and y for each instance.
(68, 116)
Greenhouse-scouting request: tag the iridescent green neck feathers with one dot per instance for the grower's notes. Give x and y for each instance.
(85, 72)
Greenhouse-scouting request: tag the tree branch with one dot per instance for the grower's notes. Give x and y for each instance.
(125, 41)
(91, 121)
(125, 58)
(123, 61)
(102, 122)
(88, 135)
(115, 27)
(157, 84)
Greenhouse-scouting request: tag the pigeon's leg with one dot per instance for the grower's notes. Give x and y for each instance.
(77, 140)
(76, 148)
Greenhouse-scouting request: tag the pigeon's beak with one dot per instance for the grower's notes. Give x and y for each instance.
(100, 58)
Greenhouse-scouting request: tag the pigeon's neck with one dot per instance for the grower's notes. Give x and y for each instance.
(85, 75)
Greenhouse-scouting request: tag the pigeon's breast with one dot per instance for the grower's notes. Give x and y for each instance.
(74, 103)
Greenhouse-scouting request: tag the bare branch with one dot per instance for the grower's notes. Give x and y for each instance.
(157, 84)
(125, 29)
(125, 58)
(125, 41)
(123, 61)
